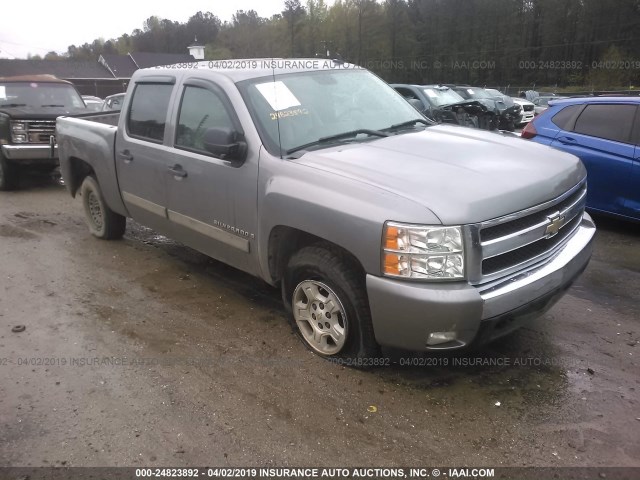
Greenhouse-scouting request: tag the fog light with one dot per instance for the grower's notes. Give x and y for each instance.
(436, 338)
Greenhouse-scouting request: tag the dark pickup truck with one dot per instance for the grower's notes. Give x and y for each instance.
(29, 106)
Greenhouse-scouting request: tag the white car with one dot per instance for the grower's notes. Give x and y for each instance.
(527, 110)
(92, 103)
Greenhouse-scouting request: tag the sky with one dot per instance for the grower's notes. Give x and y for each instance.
(44, 25)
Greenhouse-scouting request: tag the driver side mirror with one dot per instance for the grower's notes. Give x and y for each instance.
(225, 143)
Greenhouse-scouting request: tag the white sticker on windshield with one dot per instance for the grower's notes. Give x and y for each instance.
(278, 95)
(470, 91)
(431, 94)
(3, 92)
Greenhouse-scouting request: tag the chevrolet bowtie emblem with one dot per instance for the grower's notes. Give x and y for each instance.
(557, 222)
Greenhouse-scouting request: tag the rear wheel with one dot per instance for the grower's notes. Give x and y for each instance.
(9, 176)
(103, 222)
(325, 294)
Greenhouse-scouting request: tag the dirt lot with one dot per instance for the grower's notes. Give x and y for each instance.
(203, 369)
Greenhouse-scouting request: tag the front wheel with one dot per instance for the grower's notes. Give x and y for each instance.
(9, 177)
(103, 222)
(325, 292)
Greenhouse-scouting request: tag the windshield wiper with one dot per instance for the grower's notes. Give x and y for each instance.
(53, 105)
(410, 123)
(13, 105)
(339, 136)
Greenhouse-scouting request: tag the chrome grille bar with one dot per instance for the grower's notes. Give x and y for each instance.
(511, 243)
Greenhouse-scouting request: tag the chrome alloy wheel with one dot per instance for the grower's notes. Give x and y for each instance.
(320, 317)
(95, 210)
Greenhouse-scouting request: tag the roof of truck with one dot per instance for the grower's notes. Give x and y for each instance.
(33, 78)
(244, 69)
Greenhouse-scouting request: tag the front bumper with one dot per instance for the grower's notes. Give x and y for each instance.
(27, 153)
(527, 116)
(405, 314)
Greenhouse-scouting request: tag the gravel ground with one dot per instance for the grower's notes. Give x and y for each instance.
(143, 352)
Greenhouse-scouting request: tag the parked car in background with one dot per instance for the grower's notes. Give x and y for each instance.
(93, 103)
(541, 103)
(29, 106)
(528, 110)
(113, 102)
(442, 105)
(507, 111)
(604, 132)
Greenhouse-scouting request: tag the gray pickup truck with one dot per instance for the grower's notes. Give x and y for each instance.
(380, 228)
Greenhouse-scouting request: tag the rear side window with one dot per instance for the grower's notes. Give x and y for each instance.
(200, 110)
(148, 112)
(406, 93)
(565, 117)
(611, 122)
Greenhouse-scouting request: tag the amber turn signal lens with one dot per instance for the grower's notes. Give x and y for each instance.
(391, 238)
(391, 264)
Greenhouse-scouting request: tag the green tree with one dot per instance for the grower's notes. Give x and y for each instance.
(293, 13)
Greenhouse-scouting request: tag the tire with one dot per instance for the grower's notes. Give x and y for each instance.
(328, 308)
(9, 175)
(103, 222)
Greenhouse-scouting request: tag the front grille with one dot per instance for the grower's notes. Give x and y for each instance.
(528, 252)
(508, 228)
(40, 130)
(528, 108)
(511, 243)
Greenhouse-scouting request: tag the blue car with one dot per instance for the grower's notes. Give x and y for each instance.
(605, 133)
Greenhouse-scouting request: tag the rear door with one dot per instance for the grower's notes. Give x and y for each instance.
(142, 158)
(212, 201)
(601, 137)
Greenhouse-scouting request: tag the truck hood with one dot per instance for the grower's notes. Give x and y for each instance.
(40, 113)
(462, 175)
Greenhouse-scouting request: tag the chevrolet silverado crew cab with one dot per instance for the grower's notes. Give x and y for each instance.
(380, 227)
(29, 106)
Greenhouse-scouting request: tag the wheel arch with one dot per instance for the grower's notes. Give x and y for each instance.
(285, 241)
(78, 170)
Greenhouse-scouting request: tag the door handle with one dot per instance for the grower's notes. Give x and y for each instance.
(126, 156)
(177, 171)
(568, 140)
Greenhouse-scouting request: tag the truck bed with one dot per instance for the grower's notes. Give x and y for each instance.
(108, 117)
(90, 139)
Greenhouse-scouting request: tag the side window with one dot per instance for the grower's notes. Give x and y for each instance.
(564, 119)
(148, 112)
(406, 93)
(200, 110)
(611, 122)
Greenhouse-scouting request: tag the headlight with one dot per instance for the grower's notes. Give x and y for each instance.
(19, 131)
(18, 127)
(420, 252)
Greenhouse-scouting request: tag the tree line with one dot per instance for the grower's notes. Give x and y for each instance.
(590, 43)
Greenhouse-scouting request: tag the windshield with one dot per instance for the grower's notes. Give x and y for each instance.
(442, 96)
(39, 94)
(301, 108)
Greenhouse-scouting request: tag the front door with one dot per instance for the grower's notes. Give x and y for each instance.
(211, 201)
